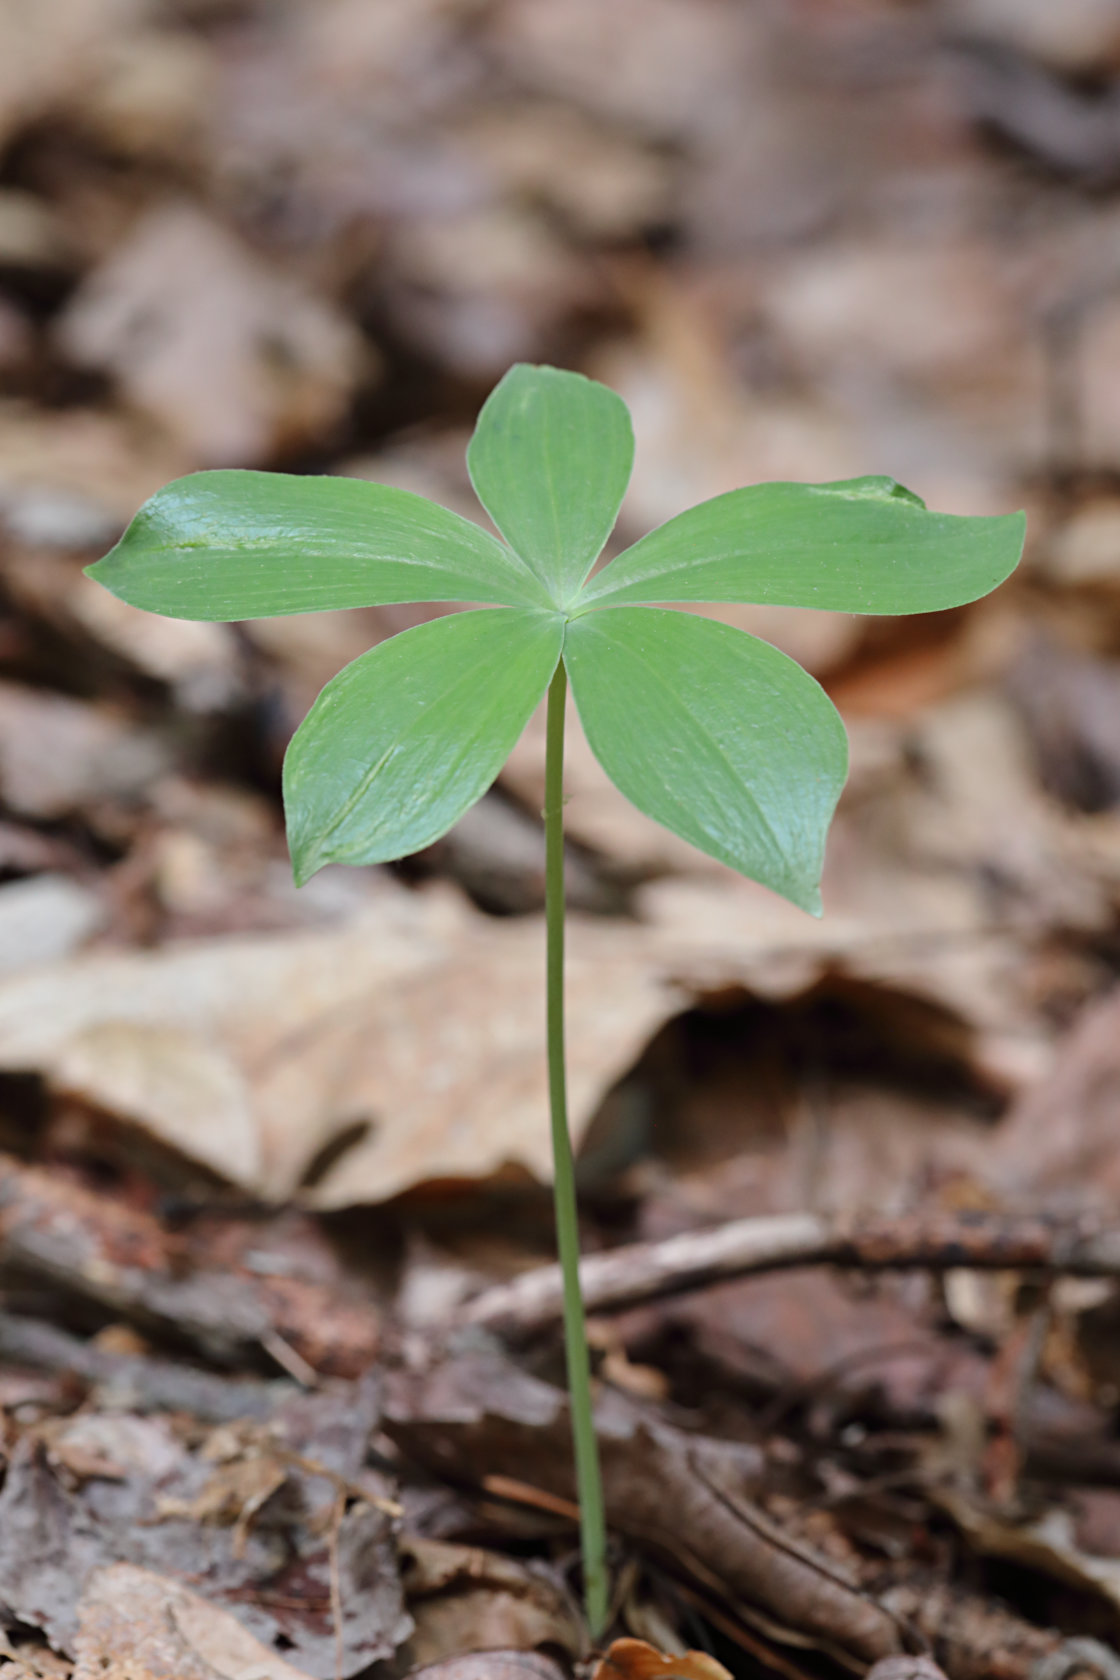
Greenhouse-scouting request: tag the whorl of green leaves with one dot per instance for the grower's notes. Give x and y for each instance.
(711, 732)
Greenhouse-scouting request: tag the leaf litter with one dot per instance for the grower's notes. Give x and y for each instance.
(278, 1366)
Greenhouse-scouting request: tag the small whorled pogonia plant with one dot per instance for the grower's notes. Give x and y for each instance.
(711, 732)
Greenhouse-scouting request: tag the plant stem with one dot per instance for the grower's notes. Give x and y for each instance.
(593, 1530)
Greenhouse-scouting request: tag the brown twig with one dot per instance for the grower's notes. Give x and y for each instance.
(642, 1272)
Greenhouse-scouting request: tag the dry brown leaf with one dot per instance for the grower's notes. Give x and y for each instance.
(234, 359)
(65, 1524)
(71, 480)
(49, 53)
(698, 431)
(1048, 1544)
(1061, 1138)
(633, 1659)
(136, 1033)
(449, 1062)
(907, 307)
(134, 1625)
(602, 182)
(153, 95)
(1085, 552)
(45, 917)
(58, 755)
(680, 1494)
(492, 1665)
(197, 659)
(464, 1599)
(422, 1016)
(481, 287)
(684, 58)
(1080, 39)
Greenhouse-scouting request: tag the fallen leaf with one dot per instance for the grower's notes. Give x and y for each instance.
(153, 95)
(72, 479)
(905, 307)
(45, 917)
(1083, 41)
(47, 56)
(411, 1063)
(493, 1665)
(684, 59)
(601, 181)
(1085, 550)
(250, 1055)
(465, 1599)
(134, 1625)
(234, 360)
(58, 755)
(271, 1569)
(480, 288)
(199, 661)
(684, 1496)
(633, 1659)
(1060, 1138)
(1048, 1543)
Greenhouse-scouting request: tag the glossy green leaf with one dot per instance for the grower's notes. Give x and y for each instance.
(234, 545)
(408, 736)
(863, 545)
(550, 460)
(716, 735)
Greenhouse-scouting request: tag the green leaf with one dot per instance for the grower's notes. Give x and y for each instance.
(550, 460)
(234, 545)
(715, 735)
(408, 736)
(863, 545)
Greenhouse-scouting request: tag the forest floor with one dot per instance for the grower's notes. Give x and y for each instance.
(280, 1375)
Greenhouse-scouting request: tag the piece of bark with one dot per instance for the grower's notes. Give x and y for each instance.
(95, 1248)
(686, 1497)
(640, 1272)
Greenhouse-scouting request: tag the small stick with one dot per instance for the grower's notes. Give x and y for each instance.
(641, 1272)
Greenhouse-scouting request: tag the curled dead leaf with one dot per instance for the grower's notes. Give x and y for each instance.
(633, 1659)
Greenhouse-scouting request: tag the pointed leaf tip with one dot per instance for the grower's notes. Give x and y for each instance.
(408, 736)
(865, 545)
(715, 735)
(550, 461)
(231, 545)
(873, 489)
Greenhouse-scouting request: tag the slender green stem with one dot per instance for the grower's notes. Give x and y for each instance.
(593, 1529)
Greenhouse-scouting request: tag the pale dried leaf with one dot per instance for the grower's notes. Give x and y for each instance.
(73, 479)
(464, 1599)
(234, 359)
(134, 1625)
(58, 754)
(421, 1016)
(45, 917)
(48, 53)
